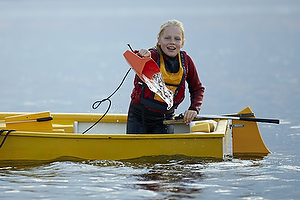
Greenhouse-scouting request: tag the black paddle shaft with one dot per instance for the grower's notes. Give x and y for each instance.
(273, 121)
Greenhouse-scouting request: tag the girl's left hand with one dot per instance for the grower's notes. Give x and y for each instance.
(189, 115)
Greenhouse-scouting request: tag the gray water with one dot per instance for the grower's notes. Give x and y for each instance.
(62, 56)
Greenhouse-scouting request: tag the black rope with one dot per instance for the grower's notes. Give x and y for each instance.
(96, 104)
(8, 132)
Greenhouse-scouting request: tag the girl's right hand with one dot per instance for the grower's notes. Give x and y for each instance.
(144, 53)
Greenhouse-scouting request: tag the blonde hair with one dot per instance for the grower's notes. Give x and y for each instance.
(167, 24)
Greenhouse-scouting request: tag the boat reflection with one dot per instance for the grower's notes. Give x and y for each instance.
(174, 176)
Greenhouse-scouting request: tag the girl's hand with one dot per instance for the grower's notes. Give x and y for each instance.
(144, 53)
(189, 115)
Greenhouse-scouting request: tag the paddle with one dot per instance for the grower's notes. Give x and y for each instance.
(239, 115)
(230, 116)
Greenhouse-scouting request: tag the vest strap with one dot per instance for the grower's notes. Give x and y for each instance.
(150, 103)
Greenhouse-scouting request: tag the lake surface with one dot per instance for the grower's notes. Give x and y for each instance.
(62, 56)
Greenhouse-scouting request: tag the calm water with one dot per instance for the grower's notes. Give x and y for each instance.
(63, 55)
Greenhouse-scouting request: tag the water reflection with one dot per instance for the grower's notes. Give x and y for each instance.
(167, 176)
(174, 182)
(173, 176)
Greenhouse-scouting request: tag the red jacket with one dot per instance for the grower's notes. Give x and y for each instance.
(196, 89)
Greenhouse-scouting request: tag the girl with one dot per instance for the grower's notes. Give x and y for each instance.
(147, 111)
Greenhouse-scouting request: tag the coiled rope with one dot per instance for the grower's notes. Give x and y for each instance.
(96, 104)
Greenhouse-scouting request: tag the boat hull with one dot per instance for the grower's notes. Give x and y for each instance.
(108, 141)
(52, 146)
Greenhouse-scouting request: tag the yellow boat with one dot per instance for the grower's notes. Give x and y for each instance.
(33, 137)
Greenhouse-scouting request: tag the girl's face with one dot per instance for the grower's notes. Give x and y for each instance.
(171, 41)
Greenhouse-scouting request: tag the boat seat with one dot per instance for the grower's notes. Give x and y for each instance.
(206, 127)
(30, 122)
(64, 127)
(2, 126)
(33, 122)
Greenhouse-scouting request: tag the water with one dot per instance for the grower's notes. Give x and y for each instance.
(160, 178)
(63, 55)
(157, 85)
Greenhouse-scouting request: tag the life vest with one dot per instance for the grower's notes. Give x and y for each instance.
(173, 82)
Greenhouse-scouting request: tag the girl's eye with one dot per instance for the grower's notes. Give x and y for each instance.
(176, 38)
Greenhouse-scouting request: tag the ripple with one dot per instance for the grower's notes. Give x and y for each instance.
(290, 167)
(295, 127)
